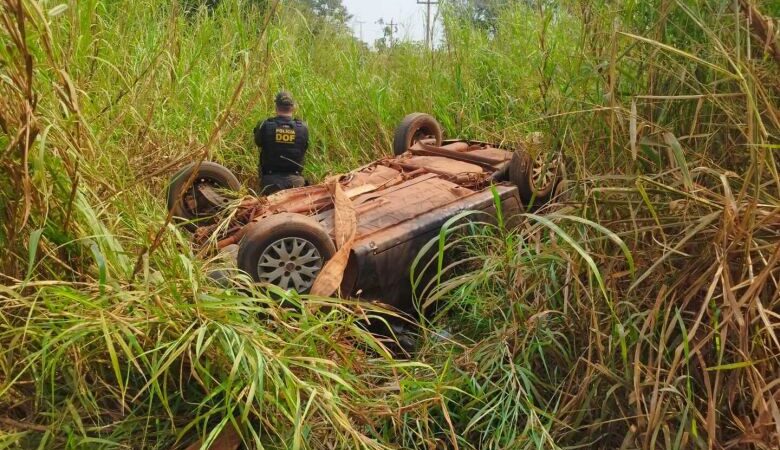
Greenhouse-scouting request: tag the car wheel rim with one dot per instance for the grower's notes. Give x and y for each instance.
(289, 263)
(543, 171)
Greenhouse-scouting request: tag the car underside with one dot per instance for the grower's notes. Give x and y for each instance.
(400, 203)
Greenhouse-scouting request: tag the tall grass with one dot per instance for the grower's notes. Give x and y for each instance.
(641, 311)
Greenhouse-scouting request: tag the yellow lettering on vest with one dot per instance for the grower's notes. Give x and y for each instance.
(285, 135)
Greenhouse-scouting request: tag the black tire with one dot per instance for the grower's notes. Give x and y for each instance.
(521, 174)
(414, 127)
(263, 239)
(203, 213)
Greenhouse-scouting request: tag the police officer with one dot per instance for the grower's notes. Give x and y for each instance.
(283, 142)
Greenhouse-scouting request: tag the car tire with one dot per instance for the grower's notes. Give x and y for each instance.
(535, 178)
(208, 172)
(288, 250)
(414, 127)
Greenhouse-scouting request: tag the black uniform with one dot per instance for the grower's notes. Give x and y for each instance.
(283, 142)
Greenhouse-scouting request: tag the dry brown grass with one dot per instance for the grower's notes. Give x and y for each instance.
(641, 311)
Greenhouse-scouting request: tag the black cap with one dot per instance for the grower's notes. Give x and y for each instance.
(284, 98)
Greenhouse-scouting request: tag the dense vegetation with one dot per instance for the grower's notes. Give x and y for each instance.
(641, 311)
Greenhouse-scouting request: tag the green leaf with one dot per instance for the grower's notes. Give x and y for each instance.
(645, 198)
(732, 366)
(679, 158)
(632, 131)
(573, 243)
(100, 260)
(610, 234)
(35, 238)
(112, 355)
(497, 204)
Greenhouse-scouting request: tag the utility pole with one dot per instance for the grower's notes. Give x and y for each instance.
(393, 30)
(390, 29)
(428, 29)
(360, 24)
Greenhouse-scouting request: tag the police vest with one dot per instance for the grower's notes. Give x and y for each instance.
(284, 142)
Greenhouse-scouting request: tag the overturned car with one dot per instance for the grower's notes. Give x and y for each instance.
(399, 204)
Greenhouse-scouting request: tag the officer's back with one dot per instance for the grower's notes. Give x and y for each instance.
(283, 141)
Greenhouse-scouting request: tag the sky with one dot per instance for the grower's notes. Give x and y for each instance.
(409, 15)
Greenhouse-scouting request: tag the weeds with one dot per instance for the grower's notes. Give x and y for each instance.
(640, 311)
